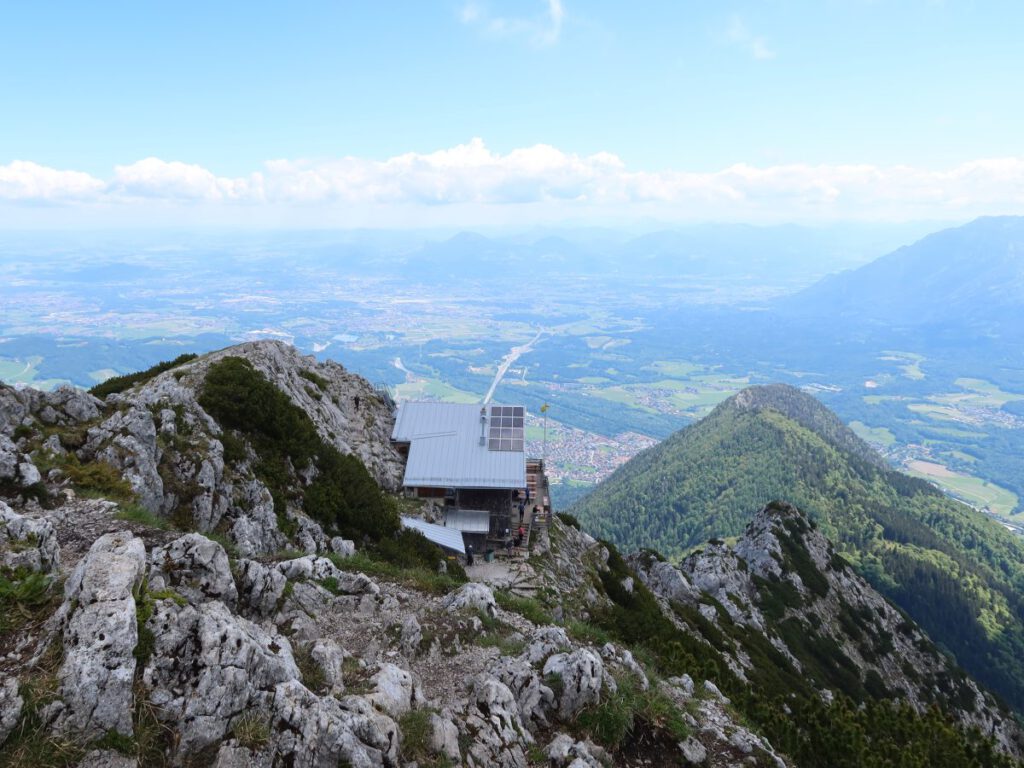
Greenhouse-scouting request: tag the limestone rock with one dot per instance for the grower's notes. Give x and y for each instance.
(316, 568)
(535, 699)
(233, 755)
(107, 758)
(394, 690)
(26, 542)
(196, 568)
(208, 666)
(99, 665)
(492, 723)
(545, 642)
(694, 753)
(320, 732)
(261, 587)
(10, 707)
(343, 547)
(329, 658)
(582, 674)
(411, 637)
(566, 752)
(444, 738)
(474, 596)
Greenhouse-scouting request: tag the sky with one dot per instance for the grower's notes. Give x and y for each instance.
(463, 112)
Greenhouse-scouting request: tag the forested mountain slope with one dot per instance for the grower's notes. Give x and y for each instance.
(955, 572)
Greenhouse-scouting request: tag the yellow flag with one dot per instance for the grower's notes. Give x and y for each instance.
(544, 408)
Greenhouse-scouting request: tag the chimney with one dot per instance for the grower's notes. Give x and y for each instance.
(483, 426)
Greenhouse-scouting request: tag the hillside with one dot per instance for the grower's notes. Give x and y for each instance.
(969, 278)
(955, 572)
(176, 588)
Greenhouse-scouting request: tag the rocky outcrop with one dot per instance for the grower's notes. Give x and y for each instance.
(474, 597)
(208, 667)
(11, 704)
(196, 568)
(495, 728)
(27, 543)
(99, 643)
(322, 731)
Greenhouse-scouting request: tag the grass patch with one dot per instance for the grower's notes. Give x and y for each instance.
(424, 579)
(615, 718)
(527, 607)
(25, 598)
(136, 513)
(252, 730)
(315, 378)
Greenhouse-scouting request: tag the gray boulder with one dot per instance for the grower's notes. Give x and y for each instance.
(329, 658)
(394, 690)
(582, 674)
(99, 665)
(261, 587)
(495, 730)
(473, 596)
(208, 666)
(196, 568)
(321, 732)
(11, 704)
(27, 542)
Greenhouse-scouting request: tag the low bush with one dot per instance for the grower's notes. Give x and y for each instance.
(120, 383)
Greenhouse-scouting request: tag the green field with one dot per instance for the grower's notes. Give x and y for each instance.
(25, 372)
(876, 435)
(973, 490)
(431, 389)
(910, 363)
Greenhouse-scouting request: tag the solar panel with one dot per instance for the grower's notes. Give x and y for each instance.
(506, 428)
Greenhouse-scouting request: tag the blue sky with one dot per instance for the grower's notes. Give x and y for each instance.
(774, 110)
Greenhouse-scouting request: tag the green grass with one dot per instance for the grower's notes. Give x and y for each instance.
(877, 435)
(619, 713)
(135, 513)
(527, 607)
(418, 577)
(977, 492)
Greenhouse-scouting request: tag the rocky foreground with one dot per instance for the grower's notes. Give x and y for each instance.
(159, 610)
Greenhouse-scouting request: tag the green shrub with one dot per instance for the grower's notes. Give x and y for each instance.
(316, 378)
(98, 477)
(569, 520)
(121, 383)
(344, 497)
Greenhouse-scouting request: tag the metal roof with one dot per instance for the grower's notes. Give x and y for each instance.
(449, 538)
(468, 520)
(445, 450)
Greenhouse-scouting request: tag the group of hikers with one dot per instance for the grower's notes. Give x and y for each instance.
(510, 541)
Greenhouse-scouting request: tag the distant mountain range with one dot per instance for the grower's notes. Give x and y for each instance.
(970, 277)
(955, 572)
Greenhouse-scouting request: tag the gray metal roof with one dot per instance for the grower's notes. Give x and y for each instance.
(445, 450)
(468, 520)
(449, 538)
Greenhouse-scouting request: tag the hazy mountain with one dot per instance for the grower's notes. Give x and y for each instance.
(957, 573)
(969, 277)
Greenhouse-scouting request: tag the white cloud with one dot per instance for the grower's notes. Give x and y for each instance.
(755, 45)
(470, 180)
(30, 182)
(153, 177)
(542, 29)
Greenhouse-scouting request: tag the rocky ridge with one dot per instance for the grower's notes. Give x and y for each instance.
(239, 640)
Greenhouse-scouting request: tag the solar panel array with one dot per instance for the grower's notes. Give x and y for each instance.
(506, 428)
